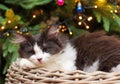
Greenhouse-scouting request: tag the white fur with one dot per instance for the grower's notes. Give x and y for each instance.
(25, 63)
(64, 60)
(39, 55)
(116, 69)
(67, 59)
(92, 68)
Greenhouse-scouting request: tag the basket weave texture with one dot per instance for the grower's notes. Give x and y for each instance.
(17, 75)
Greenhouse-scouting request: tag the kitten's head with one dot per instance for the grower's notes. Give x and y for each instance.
(43, 47)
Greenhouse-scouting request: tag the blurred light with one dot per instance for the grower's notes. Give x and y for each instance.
(95, 6)
(113, 16)
(18, 31)
(103, 1)
(80, 17)
(16, 27)
(70, 33)
(111, 11)
(34, 16)
(79, 23)
(63, 30)
(60, 26)
(3, 27)
(89, 18)
(87, 27)
(63, 26)
(27, 33)
(7, 34)
(9, 21)
(115, 11)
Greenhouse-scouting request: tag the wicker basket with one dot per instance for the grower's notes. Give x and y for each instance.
(17, 75)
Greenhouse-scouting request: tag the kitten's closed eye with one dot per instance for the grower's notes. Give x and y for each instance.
(51, 50)
(51, 47)
(46, 50)
(27, 48)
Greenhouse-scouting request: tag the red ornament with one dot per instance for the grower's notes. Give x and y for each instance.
(60, 2)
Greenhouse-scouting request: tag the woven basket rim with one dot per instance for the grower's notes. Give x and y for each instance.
(17, 75)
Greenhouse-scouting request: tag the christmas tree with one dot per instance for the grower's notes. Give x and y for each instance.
(33, 16)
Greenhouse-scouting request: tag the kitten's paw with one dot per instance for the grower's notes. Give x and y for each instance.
(26, 64)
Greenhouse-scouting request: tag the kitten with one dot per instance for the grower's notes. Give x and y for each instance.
(53, 50)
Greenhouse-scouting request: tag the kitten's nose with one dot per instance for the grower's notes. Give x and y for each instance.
(39, 59)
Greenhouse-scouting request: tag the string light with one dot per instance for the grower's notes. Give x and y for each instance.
(16, 27)
(60, 26)
(70, 33)
(115, 11)
(90, 18)
(95, 6)
(111, 11)
(63, 30)
(9, 21)
(87, 27)
(80, 17)
(80, 9)
(7, 34)
(63, 26)
(34, 16)
(79, 23)
(18, 31)
(3, 27)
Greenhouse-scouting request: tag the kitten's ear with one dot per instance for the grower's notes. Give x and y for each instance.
(18, 38)
(53, 30)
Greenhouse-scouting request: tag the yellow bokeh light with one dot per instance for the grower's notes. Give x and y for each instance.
(9, 21)
(95, 6)
(18, 31)
(70, 33)
(87, 27)
(63, 30)
(103, 1)
(90, 18)
(3, 27)
(115, 11)
(60, 26)
(16, 27)
(34, 16)
(80, 17)
(111, 11)
(79, 23)
(63, 26)
(27, 33)
(7, 34)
